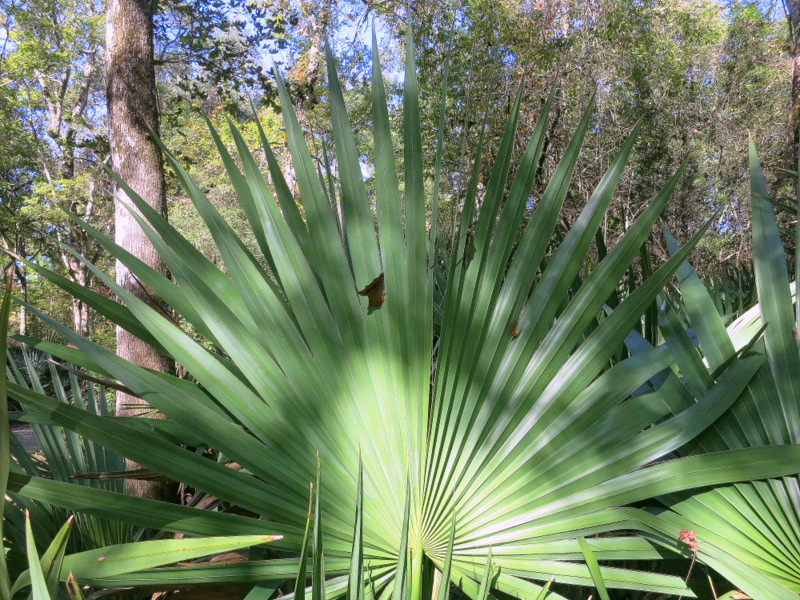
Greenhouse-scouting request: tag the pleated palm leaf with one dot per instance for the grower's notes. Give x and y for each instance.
(65, 456)
(749, 533)
(21, 565)
(522, 441)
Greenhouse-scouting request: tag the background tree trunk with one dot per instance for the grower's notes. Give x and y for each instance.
(135, 157)
(793, 135)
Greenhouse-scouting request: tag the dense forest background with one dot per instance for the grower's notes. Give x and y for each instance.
(699, 75)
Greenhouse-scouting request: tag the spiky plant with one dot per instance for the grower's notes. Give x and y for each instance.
(523, 443)
(65, 456)
(26, 573)
(748, 532)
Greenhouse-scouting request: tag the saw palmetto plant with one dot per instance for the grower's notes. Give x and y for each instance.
(509, 430)
(24, 571)
(64, 456)
(748, 532)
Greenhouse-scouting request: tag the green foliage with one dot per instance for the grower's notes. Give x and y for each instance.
(748, 533)
(54, 129)
(51, 61)
(44, 573)
(696, 76)
(209, 50)
(196, 151)
(66, 456)
(494, 443)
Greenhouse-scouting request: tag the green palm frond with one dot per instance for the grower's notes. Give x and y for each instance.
(67, 458)
(520, 443)
(750, 532)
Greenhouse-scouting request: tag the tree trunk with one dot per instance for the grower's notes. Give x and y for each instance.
(136, 158)
(306, 95)
(80, 312)
(793, 133)
(78, 273)
(22, 278)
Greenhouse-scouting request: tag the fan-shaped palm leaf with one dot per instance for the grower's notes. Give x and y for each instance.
(522, 438)
(749, 532)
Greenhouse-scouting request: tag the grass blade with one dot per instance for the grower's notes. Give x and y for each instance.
(38, 583)
(355, 584)
(300, 582)
(318, 565)
(444, 584)
(53, 558)
(401, 575)
(486, 580)
(594, 568)
(545, 589)
(74, 590)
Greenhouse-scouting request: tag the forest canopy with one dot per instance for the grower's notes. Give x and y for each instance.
(699, 77)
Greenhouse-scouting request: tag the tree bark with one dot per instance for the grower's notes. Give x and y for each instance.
(136, 158)
(793, 135)
(22, 278)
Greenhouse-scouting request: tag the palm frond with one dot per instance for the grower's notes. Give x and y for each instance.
(532, 437)
(750, 532)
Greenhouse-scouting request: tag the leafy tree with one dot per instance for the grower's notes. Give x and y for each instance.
(54, 72)
(695, 75)
(55, 140)
(211, 53)
(17, 175)
(195, 149)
